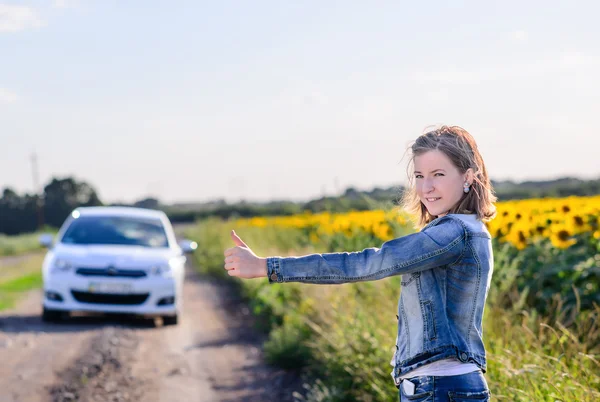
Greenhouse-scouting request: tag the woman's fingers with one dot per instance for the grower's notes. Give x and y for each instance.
(230, 265)
(235, 251)
(241, 262)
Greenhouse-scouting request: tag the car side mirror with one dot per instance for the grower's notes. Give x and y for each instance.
(188, 246)
(46, 240)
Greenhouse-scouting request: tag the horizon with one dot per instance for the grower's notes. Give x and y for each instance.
(297, 200)
(196, 102)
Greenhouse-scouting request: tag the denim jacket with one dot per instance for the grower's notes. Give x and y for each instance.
(446, 270)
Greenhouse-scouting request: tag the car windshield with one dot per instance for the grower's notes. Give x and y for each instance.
(119, 230)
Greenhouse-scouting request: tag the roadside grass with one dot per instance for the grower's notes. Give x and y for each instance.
(21, 244)
(23, 276)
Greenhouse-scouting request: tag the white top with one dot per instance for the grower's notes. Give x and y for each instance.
(472, 222)
(444, 367)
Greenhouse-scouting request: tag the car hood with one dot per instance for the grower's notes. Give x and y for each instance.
(120, 256)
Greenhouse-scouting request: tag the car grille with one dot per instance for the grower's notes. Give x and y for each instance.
(112, 272)
(105, 298)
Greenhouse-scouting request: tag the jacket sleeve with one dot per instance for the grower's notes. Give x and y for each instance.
(440, 243)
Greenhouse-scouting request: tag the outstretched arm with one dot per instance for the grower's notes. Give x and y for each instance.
(439, 244)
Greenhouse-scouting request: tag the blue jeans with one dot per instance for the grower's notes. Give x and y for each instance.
(470, 387)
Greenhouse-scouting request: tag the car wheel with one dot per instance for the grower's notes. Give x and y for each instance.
(49, 315)
(170, 320)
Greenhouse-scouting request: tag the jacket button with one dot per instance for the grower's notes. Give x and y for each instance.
(274, 277)
(463, 357)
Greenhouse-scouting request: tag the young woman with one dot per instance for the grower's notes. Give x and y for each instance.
(446, 270)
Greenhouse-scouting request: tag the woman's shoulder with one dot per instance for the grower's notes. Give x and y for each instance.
(468, 223)
(445, 229)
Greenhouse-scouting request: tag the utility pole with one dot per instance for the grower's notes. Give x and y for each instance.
(39, 199)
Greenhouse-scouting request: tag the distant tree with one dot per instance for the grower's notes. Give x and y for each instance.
(150, 203)
(17, 213)
(10, 198)
(61, 196)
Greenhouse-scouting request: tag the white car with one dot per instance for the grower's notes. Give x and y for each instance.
(114, 260)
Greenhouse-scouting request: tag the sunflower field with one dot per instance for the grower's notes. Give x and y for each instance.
(542, 318)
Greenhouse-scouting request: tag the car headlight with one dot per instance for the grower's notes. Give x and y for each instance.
(61, 265)
(162, 270)
(166, 269)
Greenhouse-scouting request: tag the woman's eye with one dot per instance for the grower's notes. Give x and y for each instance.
(419, 176)
(439, 174)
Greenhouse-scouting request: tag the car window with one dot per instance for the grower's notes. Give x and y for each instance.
(116, 230)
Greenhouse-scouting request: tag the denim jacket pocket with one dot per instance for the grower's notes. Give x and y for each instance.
(407, 279)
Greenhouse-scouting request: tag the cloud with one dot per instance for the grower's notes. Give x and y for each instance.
(7, 96)
(566, 62)
(64, 3)
(575, 59)
(519, 36)
(18, 18)
(439, 95)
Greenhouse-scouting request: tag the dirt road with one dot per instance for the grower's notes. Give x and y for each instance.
(212, 355)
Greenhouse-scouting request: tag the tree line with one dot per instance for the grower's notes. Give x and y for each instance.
(31, 212)
(28, 213)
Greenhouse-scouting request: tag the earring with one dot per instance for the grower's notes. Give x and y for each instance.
(466, 187)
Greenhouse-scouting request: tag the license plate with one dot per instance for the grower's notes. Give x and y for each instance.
(109, 287)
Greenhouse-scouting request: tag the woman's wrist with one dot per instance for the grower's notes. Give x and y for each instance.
(264, 270)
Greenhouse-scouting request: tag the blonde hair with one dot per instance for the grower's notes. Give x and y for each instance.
(460, 147)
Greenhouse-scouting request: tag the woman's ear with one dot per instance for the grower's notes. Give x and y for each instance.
(469, 176)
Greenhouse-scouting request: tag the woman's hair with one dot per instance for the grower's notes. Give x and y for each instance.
(458, 145)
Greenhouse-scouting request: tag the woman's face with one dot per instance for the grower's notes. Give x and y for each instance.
(439, 183)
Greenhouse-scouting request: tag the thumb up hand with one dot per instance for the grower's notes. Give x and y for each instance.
(240, 261)
(237, 240)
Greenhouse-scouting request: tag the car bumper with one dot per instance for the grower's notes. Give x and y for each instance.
(145, 296)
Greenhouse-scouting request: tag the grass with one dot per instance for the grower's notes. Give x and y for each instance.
(343, 335)
(18, 279)
(20, 244)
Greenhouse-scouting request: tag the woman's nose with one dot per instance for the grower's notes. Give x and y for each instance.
(427, 185)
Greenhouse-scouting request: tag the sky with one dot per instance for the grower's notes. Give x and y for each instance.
(237, 100)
